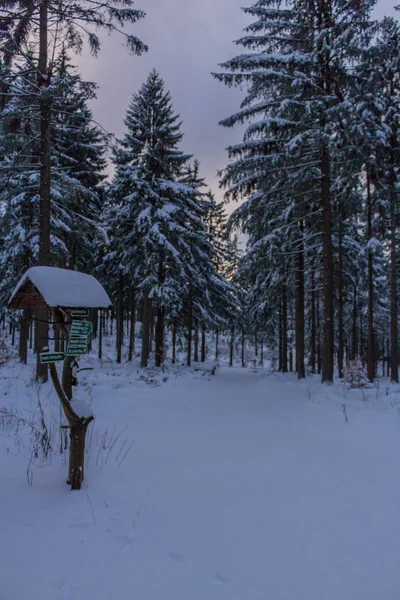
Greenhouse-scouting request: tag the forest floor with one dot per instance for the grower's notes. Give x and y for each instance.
(242, 485)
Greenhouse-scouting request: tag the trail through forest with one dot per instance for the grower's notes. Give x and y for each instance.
(239, 485)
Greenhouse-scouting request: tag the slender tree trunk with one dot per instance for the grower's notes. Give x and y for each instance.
(262, 353)
(145, 331)
(394, 373)
(243, 349)
(299, 319)
(120, 317)
(132, 327)
(159, 336)
(196, 344)
(217, 344)
(42, 327)
(190, 327)
(328, 278)
(203, 344)
(174, 342)
(23, 338)
(371, 337)
(354, 354)
(340, 299)
(231, 346)
(319, 353)
(256, 343)
(101, 332)
(284, 332)
(280, 349)
(313, 339)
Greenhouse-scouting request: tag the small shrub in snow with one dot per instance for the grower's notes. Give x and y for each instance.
(355, 375)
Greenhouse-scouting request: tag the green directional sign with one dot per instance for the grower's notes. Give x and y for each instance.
(80, 328)
(79, 313)
(76, 350)
(51, 357)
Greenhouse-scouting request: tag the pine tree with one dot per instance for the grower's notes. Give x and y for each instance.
(157, 233)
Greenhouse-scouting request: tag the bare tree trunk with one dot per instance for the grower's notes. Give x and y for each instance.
(394, 372)
(313, 340)
(174, 342)
(159, 336)
(196, 344)
(243, 349)
(190, 327)
(371, 337)
(354, 353)
(280, 349)
(23, 338)
(328, 278)
(284, 332)
(203, 344)
(42, 327)
(300, 366)
(120, 317)
(340, 299)
(145, 331)
(231, 345)
(132, 327)
(217, 344)
(101, 332)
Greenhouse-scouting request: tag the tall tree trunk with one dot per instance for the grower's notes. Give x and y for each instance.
(319, 352)
(217, 344)
(284, 332)
(23, 338)
(313, 339)
(196, 344)
(394, 362)
(174, 342)
(42, 327)
(132, 326)
(203, 344)
(354, 353)
(101, 332)
(146, 320)
(120, 317)
(190, 327)
(371, 337)
(243, 349)
(159, 336)
(299, 319)
(340, 299)
(280, 349)
(231, 345)
(328, 279)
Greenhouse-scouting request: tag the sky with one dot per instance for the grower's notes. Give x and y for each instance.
(187, 39)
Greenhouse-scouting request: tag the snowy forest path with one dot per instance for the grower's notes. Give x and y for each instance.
(238, 486)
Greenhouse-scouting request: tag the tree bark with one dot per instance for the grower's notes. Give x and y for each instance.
(354, 352)
(328, 278)
(340, 299)
(203, 344)
(45, 180)
(23, 338)
(231, 346)
(101, 328)
(159, 336)
(284, 332)
(196, 344)
(300, 366)
(132, 327)
(313, 338)
(120, 317)
(243, 348)
(174, 342)
(394, 370)
(217, 344)
(145, 331)
(371, 337)
(190, 327)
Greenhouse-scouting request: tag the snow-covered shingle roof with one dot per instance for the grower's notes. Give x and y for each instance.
(58, 288)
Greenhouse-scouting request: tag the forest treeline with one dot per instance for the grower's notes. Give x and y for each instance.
(316, 172)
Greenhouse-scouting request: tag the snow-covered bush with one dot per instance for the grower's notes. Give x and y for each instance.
(355, 375)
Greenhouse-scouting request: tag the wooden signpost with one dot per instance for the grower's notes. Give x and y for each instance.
(69, 295)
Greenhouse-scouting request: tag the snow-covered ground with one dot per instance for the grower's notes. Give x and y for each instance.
(238, 486)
